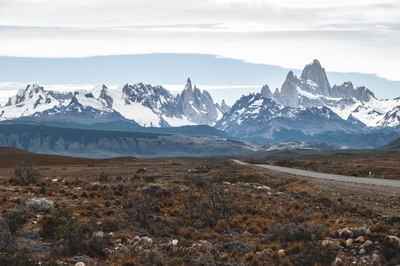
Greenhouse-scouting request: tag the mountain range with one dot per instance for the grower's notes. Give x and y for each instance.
(138, 105)
(306, 108)
(310, 109)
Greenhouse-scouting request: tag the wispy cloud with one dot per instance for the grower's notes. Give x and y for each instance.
(342, 34)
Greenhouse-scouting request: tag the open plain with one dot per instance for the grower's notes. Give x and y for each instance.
(128, 211)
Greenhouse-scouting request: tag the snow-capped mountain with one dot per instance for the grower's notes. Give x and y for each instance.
(304, 109)
(139, 104)
(308, 107)
(31, 100)
(256, 117)
(312, 89)
(198, 107)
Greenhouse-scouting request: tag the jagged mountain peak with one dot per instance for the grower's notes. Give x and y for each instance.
(32, 93)
(198, 106)
(266, 92)
(101, 88)
(288, 95)
(34, 87)
(312, 70)
(31, 100)
(314, 76)
(29, 92)
(364, 94)
(206, 95)
(188, 86)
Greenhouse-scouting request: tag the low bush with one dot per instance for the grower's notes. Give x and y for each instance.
(5, 235)
(103, 177)
(40, 205)
(213, 206)
(315, 254)
(291, 233)
(390, 250)
(15, 219)
(23, 259)
(77, 234)
(27, 173)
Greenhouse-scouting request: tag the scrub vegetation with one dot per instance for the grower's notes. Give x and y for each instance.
(126, 211)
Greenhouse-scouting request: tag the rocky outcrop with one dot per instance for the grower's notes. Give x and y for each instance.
(266, 92)
(223, 108)
(106, 97)
(142, 104)
(347, 90)
(288, 95)
(31, 100)
(197, 106)
(313, 79)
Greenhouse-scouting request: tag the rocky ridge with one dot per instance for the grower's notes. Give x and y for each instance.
(140, 104)
(310, 109)
(304, 109)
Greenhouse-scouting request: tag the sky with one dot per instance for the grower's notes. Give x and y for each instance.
(345, 36)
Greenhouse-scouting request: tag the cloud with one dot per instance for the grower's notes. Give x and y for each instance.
(343, 34)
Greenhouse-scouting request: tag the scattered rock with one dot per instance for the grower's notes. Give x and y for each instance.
(205, 245)
(80, 264)
(263, 187)
(344, 233)
(377, 227)
(360, 239)
(265, 253)
(330, 243)
(367, 243)
(394, 239)
(145, 242)
(337, 262)
(99, 234)
(375, 252)
(349, 242)
(174, 242)
(371, 234)
(362, 251)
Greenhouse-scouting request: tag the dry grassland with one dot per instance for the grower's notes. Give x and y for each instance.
(126, 211)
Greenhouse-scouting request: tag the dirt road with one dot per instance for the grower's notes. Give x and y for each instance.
(383, 196)
(361, 180)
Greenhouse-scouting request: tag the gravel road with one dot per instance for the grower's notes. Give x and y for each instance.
(361, 180)
(381, 195)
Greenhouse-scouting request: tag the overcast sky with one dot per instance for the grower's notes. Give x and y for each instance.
(346, 36)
